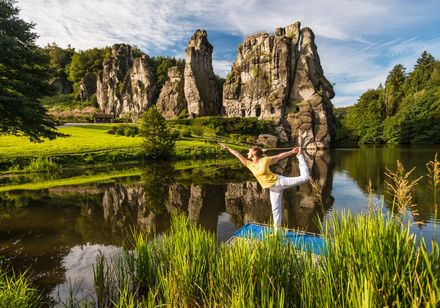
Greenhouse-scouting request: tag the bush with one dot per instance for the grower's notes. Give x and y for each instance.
(41, 164)
(186, 132)
(175, 133)
(129, 130)
(227, 126)
(197, 130)
(158, 140)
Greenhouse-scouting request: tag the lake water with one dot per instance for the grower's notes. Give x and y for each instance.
(57, 232)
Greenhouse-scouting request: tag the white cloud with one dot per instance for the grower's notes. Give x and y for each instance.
(221, 67)
(358, 41)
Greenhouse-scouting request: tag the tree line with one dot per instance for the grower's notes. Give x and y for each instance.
(27, 70)
(405, 110)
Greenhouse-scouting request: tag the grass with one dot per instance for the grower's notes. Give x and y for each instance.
(88, 145)
(186, 268)
(16, 291)
(371, 260)
(81, 139)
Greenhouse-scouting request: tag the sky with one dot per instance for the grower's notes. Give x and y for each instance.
(359, 41)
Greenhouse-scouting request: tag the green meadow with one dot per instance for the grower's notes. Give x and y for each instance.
(80, 139)
(91, 145)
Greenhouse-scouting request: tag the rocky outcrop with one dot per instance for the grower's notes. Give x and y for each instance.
(279, 77)
(200, 84)
(125, 86)
(192, 88)
(87, 87)
(171, 100)
(267, 140)
(61, 85)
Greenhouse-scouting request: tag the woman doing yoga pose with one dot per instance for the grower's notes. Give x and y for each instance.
(259, 164)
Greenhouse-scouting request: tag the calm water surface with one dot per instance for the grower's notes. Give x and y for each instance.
(56, 233)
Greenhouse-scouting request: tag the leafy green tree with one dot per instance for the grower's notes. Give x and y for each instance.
(158, 140)
(365, 120)
(425, 59)
(24, 77)
(219, 82)
(394, 89)
(405, 111)
(343, 135)
(421, 75)
(420, 122)
(161, 65)
(87, 61)
(60, 58)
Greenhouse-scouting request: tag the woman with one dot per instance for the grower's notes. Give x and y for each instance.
(258, 164)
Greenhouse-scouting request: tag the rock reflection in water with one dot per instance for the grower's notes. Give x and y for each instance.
(161, 192)
(39, 229)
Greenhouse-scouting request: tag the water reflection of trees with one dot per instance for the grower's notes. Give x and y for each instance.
(38, 229)
(368, 163)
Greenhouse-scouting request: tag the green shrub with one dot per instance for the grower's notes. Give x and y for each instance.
(41, 164)
(175, 133)
(197, 130)
(158, 141)
(227, 126)
(186, 132)
(129, 130)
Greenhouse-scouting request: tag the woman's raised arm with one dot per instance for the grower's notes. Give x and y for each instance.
(235, 153)
(277, 158)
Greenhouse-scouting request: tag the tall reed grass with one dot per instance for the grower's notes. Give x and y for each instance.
(17, 291)
(372, 260)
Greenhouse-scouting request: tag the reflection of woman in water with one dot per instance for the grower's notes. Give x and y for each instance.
(258, 164)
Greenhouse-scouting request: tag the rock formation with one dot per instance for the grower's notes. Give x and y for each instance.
(192, 88)
(279, 77)
(200, 86)
(87, 87)
(171, 100)
(61, 85)
(125, 86)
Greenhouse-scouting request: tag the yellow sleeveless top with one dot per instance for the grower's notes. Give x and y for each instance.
(261, 171)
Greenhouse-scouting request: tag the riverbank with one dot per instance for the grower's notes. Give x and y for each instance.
(87, 145)
(185, 267)
(82, 176)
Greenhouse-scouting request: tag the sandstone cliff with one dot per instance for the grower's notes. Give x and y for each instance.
(192, 88)
(172, 100)
(126, 85)
(200, 86)
(279, 77)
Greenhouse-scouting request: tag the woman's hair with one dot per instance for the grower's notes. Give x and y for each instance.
(258, 151)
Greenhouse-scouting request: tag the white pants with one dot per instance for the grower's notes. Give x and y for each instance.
(283, 182)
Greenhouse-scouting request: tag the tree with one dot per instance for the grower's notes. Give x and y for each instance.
(24, 77)
(365, 119)
(158, 141)
(405, 111)
(425, 59)
(421, 76)
(87, 61)
(60, 58)
(394, 90)
(161, 65)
